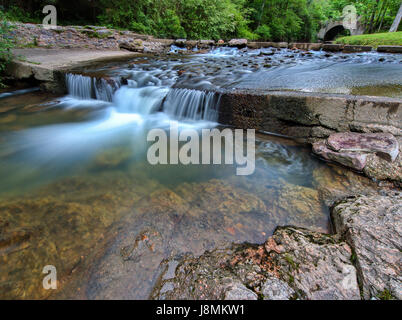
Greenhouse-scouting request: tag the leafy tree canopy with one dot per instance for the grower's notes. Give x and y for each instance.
(270, 20)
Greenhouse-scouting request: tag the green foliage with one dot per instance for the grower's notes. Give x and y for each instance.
(209, 18)
(15, 13)
(193, 19)
(376, 15)
(5, 44)
(374, 40)
(385, 295)
(268, 20)
(264, 32)
(288, 20)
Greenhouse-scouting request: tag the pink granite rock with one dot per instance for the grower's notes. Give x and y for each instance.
(383, 144)
(354, 160)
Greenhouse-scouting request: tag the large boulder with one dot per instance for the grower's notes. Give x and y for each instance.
(375, 154)
(181, 43)
(132, 45)
(239, 43)
(353, 160)
(372, 226)
(206, 44)
(383, 144)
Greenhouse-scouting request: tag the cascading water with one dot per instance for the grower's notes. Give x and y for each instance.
(84, 87)
(144, 94)
(144, 100)
(79, 86)
(192, 104)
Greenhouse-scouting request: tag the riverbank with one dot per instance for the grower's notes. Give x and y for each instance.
(373, 40)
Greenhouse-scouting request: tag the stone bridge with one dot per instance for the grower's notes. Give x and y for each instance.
(332, 28)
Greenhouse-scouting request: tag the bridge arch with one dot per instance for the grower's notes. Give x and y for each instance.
(332, 28)
(332, 33)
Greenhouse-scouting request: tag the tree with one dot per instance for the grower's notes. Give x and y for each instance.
(5, 44)
(397, 20)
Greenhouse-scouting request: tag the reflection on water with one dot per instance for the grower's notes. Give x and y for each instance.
(77, 192)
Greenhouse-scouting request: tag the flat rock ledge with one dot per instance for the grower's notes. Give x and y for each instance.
(293, 264)
(372, 226)
(375, 154)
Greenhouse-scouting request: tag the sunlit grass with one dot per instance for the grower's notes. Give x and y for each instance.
(374, 40)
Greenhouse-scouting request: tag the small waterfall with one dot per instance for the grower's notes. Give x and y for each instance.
(145, 100)
(85, 88)
(192, 104)
(79, 86)
(224, 52)
(146, 96)
(105, 89)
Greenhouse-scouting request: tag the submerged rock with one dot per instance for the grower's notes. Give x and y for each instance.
(335, 183)
(112, 158)
(300, 206)
(372, 226)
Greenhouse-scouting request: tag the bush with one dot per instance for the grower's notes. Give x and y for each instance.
(6, 44)
(193, 19)
(15, 13)
(263, 32)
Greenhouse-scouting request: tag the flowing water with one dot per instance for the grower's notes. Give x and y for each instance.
(77, 191)
(369, 73)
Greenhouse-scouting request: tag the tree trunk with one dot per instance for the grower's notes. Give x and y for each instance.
(371, 25)
(377, 21)
(383, 15)
(262, 12)
(397, 20)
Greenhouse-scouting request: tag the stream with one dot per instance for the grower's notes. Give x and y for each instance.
(77, 191)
